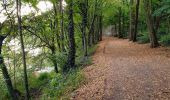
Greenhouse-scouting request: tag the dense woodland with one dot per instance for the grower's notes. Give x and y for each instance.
(64, 37)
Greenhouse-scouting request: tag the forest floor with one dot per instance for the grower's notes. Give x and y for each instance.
(123, 70)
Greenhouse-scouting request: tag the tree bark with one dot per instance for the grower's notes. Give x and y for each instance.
(84, 25)
(18, 2)
(72, 50)
(120, 23)
(53, 53)
(5, 73)
(62, 25)
(101, 27)
(132, 21)
(136, 21)
(152, 32)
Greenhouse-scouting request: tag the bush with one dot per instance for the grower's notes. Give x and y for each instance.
(165, 40)
(143, 38)
(43, 76)
(4, 92)
(60, 86)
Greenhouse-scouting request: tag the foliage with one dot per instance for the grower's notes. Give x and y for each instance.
(60, 86)
(143, 38)
(165, 40)
(44, 31)
(164, 9)
(4, 92)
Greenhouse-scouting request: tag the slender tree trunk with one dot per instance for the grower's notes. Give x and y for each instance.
(91, 32)
(91, 35)
(120, 23)
(14, 62)
(27, 97)
(96, 36)
(72, 50)
(116, 30)
(123, 24)
(53, 51)
(53, 47)
(101, 27)
(56, 28)
(136, 21)
(84, 25)
(157, 23)
(62, 25)
(5, 73)
(132, 21)
(153, 37)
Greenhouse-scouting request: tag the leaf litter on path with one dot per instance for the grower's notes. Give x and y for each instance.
(123, 70)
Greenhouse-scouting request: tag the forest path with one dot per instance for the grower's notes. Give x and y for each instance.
(123, 70)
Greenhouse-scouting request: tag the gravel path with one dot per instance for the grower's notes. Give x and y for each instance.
(123, 70)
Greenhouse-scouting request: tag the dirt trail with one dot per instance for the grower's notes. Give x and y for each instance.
(123, 70)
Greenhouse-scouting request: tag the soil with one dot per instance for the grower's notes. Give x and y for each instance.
(123, 70)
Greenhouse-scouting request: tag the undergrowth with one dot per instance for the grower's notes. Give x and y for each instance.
(165, 40)
(52, 86)
(60, 86)
(143, 38)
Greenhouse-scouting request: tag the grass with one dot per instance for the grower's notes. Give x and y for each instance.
(60, 86)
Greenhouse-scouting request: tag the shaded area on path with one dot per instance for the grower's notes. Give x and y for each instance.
(123, 70)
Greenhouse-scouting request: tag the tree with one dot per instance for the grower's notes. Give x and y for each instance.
(149, 19)
(83, 6)
(72, 50)
(5, 72)
(132, 21)
(136, 21)
(62, 24)
(120, 22)
(18, 4)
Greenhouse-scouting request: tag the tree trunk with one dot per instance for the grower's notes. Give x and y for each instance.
(53, 52)
(84, 25)
(120, 23)
(132, 20)
(123, 24)
(27, 97)
(72, 50)
(91, 32)
(153, 37)
(136, 21)
(5, 73)
(115, 34)
(62, 25)
(101, 27)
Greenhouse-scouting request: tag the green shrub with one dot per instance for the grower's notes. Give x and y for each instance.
(92, 50)
(143, 38)
(43, 76)
(3, 92)
(61, 85)
(165, 40)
